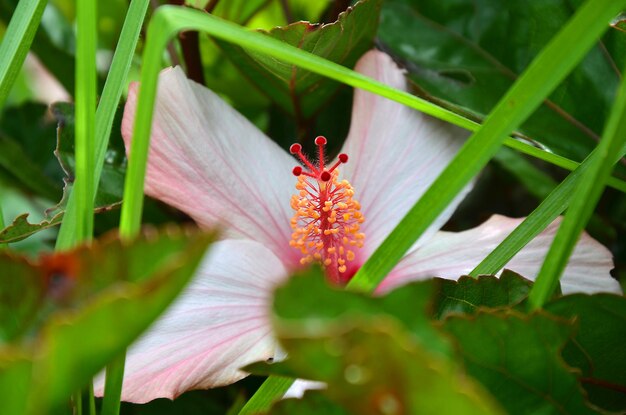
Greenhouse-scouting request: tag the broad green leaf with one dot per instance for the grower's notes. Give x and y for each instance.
(517, 358)
(468, 294)
(96, 300)
(297, 91)
(469, 53)
(597, 349)
(312, 403)
(27, 139)
(238, 11)
(376, 368)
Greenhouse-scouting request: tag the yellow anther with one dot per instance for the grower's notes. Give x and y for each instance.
(326, 222)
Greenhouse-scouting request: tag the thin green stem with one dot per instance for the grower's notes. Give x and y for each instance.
(16, 42)
(85, 116)
(582, 205)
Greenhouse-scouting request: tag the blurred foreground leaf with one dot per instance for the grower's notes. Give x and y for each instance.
(517, 358)
(372, 352)
(85, 307)
(298, 92)
(379, 369)
(410, 305)
(597, 349)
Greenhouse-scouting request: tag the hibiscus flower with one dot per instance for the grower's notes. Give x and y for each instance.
(210, 162)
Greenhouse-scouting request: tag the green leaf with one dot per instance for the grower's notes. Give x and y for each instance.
(312, 403)
(374, 353)
(97, 300)
(409, 305)
(27, 139)
(469, 53)
(297, 91)
(517, 358)
(597, 349)
(468, 294)
(378, 369)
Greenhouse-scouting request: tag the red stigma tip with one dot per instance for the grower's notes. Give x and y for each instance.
(297, 171)
(325, 176)
(343, 158)
(320, 141)
(295, 148)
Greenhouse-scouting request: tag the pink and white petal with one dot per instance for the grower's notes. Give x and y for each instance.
(395, 153)
(451, 254)
(219, 324)
(209, 161)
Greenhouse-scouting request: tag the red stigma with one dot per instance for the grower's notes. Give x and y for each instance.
(319, 172)
(320, 141)
(295, 148)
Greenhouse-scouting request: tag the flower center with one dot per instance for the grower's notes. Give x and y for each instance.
(326, 223)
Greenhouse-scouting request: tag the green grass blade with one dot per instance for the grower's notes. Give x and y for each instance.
(272, 389)
(85, 116)
(16, 42)
(585, 197)
(111, 93)
(113, 386)
(551, 207)
(542, 76)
